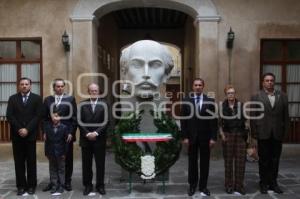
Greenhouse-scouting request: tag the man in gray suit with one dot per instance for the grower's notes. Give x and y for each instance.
(270, 130)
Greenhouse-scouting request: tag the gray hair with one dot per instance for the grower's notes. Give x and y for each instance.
(88, 87)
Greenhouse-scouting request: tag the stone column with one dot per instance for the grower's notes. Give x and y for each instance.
(84, 52)
(207, 52)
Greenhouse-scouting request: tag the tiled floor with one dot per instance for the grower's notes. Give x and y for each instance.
(176, 186)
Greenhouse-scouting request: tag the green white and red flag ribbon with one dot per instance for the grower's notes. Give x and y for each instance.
(146, 137)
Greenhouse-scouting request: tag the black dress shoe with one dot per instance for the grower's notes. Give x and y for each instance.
(241, 191)
(276, 189)
(101, 190)
(263, 189)
(53, 189)
(87, 190)
(60, 189)
(20, 191)
(205, 191)
(47, 188)
(229, 190)
(68, 187)
(192, 190)
(31, 190)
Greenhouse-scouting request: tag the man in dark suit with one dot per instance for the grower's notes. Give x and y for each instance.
(269, 131)
(93, 121)
(200, 133)
(65, 105)
(23, 113)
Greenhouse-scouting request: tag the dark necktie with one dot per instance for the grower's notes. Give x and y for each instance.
(198, 105)
(197, 99)
(25, 98)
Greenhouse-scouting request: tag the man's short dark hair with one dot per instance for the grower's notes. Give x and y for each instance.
(55, 111)
(268, 74)
(199, 79)
(58, 80)
(25, 78)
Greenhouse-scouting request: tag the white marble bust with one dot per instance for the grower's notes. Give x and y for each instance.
(146, 64)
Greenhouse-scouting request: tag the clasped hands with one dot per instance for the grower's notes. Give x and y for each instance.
(92, 135)
(23, 132)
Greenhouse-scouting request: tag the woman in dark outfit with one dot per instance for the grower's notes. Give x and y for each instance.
(234, 142)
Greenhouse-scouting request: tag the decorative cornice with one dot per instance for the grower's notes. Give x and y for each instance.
(82, 18)
(200, 18)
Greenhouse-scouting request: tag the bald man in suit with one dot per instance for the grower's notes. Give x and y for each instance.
(93, 122)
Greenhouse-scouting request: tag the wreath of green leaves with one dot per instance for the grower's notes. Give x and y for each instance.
(128, 155)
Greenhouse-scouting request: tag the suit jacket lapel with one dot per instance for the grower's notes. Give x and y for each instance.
(192, 100)
(62, 100)
(91, 109)
(265, 99)
(52, 101)
(196, 107)
(20, 98)
(97, 107)
(204, 99)
(28, 99)
(88, 105)
(277, 98)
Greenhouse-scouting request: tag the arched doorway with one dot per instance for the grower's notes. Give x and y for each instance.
(172, 28)
(101, 28)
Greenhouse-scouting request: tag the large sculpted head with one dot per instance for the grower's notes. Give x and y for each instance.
(146, 64)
